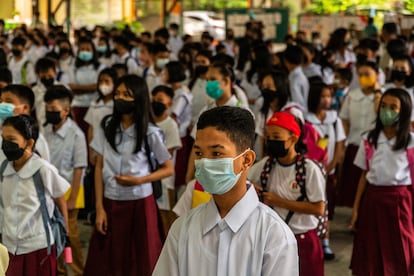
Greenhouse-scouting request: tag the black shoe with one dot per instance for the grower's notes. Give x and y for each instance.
(328, 253)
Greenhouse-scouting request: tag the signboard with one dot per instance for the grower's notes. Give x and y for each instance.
(326, 24)
(275, 21)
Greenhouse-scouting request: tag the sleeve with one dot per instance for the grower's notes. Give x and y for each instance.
(89, 116)
(172, 136)
(315, 182)
(98, 141)
(344, 113)
(296, 92)
(281, 252)
(64, 79)
(80, 151)
(260, 125)
(360, 158)
(132, 66)
(167, 264)
(340, 132)
(184, 203)
(157, 146)
(179, 105)
(42, 147)
(54, 184)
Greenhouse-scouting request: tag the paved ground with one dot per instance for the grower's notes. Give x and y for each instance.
(341, 242)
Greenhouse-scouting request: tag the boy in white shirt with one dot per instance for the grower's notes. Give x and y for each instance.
(20, 65)
(162, 101)
(232, 234)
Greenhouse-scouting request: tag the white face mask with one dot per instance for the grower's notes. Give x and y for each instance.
(106, 89)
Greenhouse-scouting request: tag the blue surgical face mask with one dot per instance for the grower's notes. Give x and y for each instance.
(161, 62)
(213, 89)
(6, 110)
(85, 56)
(102, 49)
(217, 175)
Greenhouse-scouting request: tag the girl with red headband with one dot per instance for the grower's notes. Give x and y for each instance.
(294, 187)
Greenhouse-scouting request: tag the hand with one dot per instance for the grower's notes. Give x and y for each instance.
(101, 221)
(258, 189)
(354, 218)
(126, 180)
(272, 199)
(71, 204)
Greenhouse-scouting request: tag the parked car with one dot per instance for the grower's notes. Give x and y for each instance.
(197, 22)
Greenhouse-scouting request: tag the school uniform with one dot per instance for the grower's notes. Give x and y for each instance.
(312, 70)
(172, 141)
(21, 222)
(299, 87)
(129, 61)
(84, 75)
(250, 240)
(328, 75)
(282, 181)
(332, 129)
(97, 111)
(36, 52)
(68, 152)
(358, 109)
(175, 43)
(182, 110)
(17, 70)
(252, 90)
(67, 66)
(347, 58)
(152, 78)
(134, 238)
(200, 99)
(384, 241)
(410, 91)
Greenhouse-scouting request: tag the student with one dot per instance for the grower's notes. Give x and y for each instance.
(298, 83)
(19, 100)
(174, 41)
(67, 59)
(46, 72)
(358, 115)
(68, 153)
(383, 208)
(5, 77)
(123, 56)
(280, 188)
(343, 78)
(219, 87)
(174, 75)
(87, 68)
(331, 141)
(23, 231)
(20, 65)
(102, 107)
(126, 211)
(162, 102)
(309, 67)
(211, 239)
(340, 44)
(160, 57)
(104, 52)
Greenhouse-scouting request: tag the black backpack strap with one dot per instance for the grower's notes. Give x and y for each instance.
(300, 168)
(148, 153)
(3, 168)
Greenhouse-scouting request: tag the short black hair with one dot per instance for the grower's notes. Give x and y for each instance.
(58, 92)
(371, 64)
(390, 28)
(396, 47)
(23, 92)
(164, 89)
(18, 41)
(25, 125)
(369, 43)
(224, 58)
(345, 73)
(174, 26)
(162, 32)
(6, 75)
(158, 48)
(176, 72)
(44, 64)
(294, 54)
(122, 40)
(236, 122)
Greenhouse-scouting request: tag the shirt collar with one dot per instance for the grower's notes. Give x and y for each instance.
(130, 131)
(331, 117)
(359, 95)
(237, 215)
(383, 139)
(64, 128)
(27, 171)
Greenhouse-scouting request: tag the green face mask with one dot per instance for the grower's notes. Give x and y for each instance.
(388, 117)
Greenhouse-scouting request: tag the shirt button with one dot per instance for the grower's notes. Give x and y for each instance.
(302, 236)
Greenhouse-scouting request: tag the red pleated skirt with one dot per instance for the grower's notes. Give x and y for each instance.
(33, 264)
(310, 254)
(331, 195)
(181, 161)
(133, 241)
(384, 240)
(350, 178)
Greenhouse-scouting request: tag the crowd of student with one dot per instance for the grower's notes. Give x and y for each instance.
(106, 117)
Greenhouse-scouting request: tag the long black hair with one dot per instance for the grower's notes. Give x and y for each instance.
(403, 125)
(110, 72)
(282, 90)
(25, 125)
(315, 94)
(262, 60)
(226, 71)
(300, 146)
(142, 113)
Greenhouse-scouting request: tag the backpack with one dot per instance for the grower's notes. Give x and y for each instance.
(300, 167)
(56, 222)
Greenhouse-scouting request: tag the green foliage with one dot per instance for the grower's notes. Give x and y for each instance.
(335, 6)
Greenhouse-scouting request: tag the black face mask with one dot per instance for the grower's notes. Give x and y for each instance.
(158, 108)
(201, 70)
(47, 82)
(269, 95)
(53, 117)
(124, 107)
(361, 58)
(16, 52)
(11, 150)
(399, 76)
(276, 148)
(64, 51)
